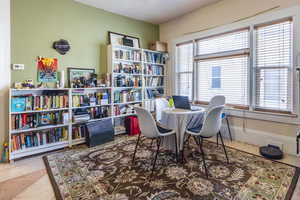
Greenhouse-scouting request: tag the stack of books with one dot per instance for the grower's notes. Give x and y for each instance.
(128, 68)
(154, 81)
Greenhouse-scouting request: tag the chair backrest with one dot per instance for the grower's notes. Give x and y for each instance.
(160, 105)
(147, 123)
(218, 100)
(213, 122)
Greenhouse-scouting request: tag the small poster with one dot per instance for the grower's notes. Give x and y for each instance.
(47, 70)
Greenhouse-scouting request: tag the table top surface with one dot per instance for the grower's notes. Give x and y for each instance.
(177, 111)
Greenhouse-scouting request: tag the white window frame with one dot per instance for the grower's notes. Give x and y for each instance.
(293, 13)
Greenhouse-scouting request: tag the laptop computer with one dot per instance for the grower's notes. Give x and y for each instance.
(182, 102)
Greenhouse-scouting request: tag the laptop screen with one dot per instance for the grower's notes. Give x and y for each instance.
(181, 102)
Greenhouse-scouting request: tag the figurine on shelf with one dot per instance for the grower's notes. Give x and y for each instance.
(27, 84)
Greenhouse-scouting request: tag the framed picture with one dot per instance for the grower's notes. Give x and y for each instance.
(47, 70)
(79, 77)
(122, 39)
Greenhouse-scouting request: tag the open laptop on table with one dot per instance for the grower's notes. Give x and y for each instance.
(182, 102)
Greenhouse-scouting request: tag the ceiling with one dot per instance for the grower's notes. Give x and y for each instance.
(153, 11)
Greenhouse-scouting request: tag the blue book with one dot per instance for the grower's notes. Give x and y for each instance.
(18, 104)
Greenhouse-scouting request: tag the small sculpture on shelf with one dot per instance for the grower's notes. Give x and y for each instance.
(27, 84)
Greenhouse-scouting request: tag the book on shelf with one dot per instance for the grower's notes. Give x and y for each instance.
(128, 95)
(34, 139)
(127, 81)
(91, 99)
(125, 109)
(127, 68)
(132, 55)
(38, 102)
(154, 81)
(34, 120)
(150, 105)
(152, 93)
(79, 132)
(153, 70)
(153, 57)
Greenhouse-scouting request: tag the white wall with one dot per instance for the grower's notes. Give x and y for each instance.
(228, 13)
(4, 68)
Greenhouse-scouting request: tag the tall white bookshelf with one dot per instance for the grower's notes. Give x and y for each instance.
(140, 66)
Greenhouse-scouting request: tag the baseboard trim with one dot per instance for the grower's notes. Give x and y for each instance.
(260, 138)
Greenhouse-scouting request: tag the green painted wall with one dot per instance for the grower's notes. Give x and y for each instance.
(37, 23)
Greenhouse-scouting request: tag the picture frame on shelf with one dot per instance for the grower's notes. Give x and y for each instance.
(81, 77)
(122, 39)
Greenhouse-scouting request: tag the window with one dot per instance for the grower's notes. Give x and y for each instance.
(273, 66)
(222, 67)
(215, 77)
(184, 69)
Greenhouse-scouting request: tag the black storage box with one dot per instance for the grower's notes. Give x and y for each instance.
(99, 132)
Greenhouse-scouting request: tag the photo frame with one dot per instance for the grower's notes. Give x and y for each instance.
(79, 73)
(122, 39)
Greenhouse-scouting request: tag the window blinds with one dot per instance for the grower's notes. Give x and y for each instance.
(229, 54)
(273, 66)
(184, 69)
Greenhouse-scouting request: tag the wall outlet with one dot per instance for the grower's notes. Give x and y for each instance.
(18, 67)
(276, 143)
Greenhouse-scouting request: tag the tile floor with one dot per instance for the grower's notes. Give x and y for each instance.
(27, 179)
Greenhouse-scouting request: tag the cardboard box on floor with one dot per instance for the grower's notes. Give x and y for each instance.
(158, 46)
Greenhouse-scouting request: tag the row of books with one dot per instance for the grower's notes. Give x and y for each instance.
(29, 103)
(26, 121)
(128, 81)
(127, 55)
(153, 93)
(92, 99)
(154, 81)
(130, 95)
(124, 109)
(128, 68)
(79, 132)
(154, 57)
(35, 139)
(153, 70)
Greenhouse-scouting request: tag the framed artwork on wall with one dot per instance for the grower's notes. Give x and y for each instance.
(122, 39)
(81, 77)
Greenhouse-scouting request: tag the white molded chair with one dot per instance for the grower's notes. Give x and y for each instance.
(160, 105)
(149, 129)
(219, 100)
(210, 128)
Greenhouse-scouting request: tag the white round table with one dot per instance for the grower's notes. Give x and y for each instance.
(179, 120)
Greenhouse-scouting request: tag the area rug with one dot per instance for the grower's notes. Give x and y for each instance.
(105, 173)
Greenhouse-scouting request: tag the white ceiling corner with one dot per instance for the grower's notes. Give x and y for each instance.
(153, 11)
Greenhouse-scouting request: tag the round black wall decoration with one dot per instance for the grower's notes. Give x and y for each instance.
(62, 46)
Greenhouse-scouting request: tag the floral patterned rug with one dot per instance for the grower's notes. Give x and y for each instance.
(105, 173)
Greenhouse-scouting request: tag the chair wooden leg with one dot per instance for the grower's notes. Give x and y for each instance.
(157, 151)
(224, 148)
(203, 157)
(176, 148)
(229, 131)
(137, 143)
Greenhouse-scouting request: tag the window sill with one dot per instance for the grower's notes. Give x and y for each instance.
(260, 115)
